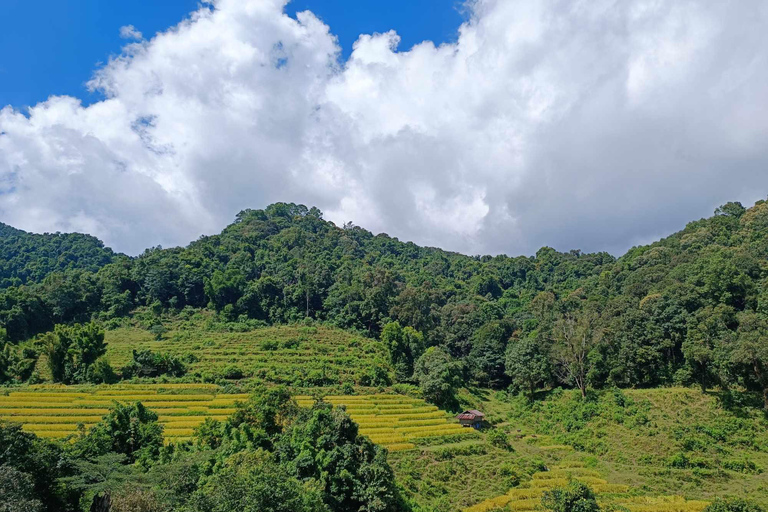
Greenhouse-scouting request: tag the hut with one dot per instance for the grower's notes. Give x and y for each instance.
(472, 418)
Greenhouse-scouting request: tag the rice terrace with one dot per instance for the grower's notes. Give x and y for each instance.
(396, 379)
(393, 421)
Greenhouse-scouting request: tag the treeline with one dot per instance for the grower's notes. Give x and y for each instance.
(688, 309)
(268, 456)
(29, 258)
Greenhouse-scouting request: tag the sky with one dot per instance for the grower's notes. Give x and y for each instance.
(490, 126)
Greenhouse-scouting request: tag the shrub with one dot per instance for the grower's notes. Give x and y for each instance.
(574, 497)
(130, 429)
(102, 373)
(733, 505)
(498, 438)
(232, 372)
(151, 364)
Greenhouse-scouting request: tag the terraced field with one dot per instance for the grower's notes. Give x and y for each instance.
(56, 411)
(528, 496)
(394, 421)
(301, 356)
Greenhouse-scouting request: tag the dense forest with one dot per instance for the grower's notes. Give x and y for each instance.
(689, 309)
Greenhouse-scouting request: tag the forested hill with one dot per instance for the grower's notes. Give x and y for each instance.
(29, 258)
(682, 309)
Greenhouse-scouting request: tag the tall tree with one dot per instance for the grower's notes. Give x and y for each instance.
(576, 334)
(750, 353)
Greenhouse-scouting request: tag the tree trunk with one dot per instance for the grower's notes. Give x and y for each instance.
(101, 503)
(765, 399)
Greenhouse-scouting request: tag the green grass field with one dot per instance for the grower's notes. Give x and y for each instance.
(295, 355)
(527, 496)
(661, 450)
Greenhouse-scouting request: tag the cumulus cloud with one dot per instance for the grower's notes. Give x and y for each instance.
(592, 125)
(130, 32)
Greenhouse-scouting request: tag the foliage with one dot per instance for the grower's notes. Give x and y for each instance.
(255, 482)
(527, 364)
(146, 363)
(17, 491)
(733, 505)
(73, 350)
(324, 444)
(685, 309)
(27, 257)
(405, 346)
(439, 376)
(498, 438)
(29, 468)
(574, 497)
(129, 429)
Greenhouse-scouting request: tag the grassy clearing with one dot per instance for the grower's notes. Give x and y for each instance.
(293, 355)
(659, 441)
(528, 495)
(628, 453)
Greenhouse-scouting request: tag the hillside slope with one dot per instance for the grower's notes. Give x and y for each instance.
(30, 258)
(690, 308)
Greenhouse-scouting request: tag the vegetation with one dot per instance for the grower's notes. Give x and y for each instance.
(269, 456)
(669, 440)
(688, 309)
(572, 356)
(208, 351)
(393, 421)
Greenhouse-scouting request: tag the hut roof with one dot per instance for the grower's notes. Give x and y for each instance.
(470, 415)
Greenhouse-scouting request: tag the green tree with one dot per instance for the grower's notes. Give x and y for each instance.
(576, 335)
(439, 376)
(405, 346)
(71, 351)
(268, 409)
(708, 335)
(99, 478)
(527, 364)
(17, 492)
(487, 356)
(256, 482)
(750, 352)
(27, 459)
(129, 429)
(574, 497)
(324, 445)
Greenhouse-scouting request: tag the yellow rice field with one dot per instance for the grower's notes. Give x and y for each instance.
(394, 421)
(527, 497)
(56, 411)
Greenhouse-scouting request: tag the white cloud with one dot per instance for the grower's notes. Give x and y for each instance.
(575, 124)
(130, 32)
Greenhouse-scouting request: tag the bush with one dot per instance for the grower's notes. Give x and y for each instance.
(150, 364)
(232, 372)
(498, 438)
(574, 497)
(129, 429)
(102, 373)
(733, 505)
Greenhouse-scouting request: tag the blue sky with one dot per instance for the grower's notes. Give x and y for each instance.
(575, 125)
(53, 46)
